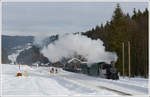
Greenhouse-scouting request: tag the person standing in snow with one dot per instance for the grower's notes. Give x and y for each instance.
(52, 70)
(56, 70)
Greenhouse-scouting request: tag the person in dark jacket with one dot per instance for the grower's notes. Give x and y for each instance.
(52, 70)
(56, 70)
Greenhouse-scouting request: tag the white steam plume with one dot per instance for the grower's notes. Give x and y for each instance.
(39, 38)
(66, 46)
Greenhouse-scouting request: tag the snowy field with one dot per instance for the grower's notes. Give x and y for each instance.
(41, 82)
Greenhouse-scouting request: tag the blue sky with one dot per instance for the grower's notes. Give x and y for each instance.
(49, 18)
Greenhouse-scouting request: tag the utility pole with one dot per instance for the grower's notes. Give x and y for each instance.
(19, 66)
(129, 59)
(123, 58)
(146, 74)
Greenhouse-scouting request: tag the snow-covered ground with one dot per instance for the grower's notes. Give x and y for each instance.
(41, 82)
(132, 86)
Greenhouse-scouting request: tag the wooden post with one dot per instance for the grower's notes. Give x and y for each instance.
(19, 66)
(123, 58)
(146, 74)
(129, 59)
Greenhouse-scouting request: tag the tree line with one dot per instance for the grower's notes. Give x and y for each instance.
(121, 29)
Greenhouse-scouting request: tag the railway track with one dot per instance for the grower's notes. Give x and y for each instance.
(116, 91)
(112, 86)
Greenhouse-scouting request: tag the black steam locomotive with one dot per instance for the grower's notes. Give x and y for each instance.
(100, 69)
(108, 71)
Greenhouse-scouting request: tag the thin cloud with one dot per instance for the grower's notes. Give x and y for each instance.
(38, 18)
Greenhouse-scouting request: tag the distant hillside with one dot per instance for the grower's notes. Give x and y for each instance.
(33, 54)
(4, 57)
(10, 43)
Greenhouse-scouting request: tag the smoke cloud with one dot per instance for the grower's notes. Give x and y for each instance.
(67, 45)
(39, 39)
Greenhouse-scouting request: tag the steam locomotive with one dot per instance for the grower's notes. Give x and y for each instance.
(108, 71)
(100, 69)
